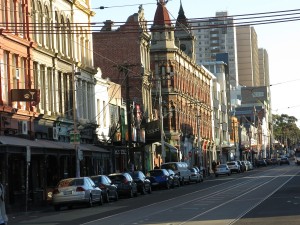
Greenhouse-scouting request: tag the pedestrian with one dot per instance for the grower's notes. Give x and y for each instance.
(3, 216)
(214, 165)
(156, 166)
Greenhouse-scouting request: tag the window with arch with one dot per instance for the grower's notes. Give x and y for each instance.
(173, 117)
(77, 43)
(34, 22)
(47, 28)
(82, 53)
(4, 10)
(57, 43)
(12, 10)
(69, 39)
(40, 24)
(20, 26)
(63, 35)
(4, 77)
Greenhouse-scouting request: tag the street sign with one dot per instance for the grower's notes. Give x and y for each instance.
(75, 137)
(25, 95)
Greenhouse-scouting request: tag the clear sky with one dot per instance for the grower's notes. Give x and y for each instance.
(281, 40)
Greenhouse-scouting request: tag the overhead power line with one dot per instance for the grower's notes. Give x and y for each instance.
(195, 23)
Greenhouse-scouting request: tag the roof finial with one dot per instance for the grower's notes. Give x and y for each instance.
(162, 2)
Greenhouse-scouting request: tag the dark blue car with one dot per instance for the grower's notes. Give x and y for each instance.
(160, 178)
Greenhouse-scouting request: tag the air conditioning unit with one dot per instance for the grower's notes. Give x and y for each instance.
(17, 74)
(55, 133)
(24, 127)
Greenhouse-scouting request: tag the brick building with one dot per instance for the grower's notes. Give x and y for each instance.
(123, 56)
(185, 90)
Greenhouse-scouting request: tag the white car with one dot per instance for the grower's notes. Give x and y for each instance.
(195, 176)
(234, 166)
(222, 169)
(249, 165)
(180, 168)
(71, 191)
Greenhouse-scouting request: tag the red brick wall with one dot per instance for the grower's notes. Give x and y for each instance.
(113, 48)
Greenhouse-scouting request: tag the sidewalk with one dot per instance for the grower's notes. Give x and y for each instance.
(19, 214)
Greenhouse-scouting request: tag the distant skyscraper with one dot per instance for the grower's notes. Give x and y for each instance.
(247, 52)
(217, 35)
(263, 67)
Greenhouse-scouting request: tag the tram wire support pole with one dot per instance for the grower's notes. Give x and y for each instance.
(125, 69)
(75, 122)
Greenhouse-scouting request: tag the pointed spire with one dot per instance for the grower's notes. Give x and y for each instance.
(162, 16)
(181, 19)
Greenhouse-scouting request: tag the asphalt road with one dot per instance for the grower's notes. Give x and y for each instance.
(269, 195)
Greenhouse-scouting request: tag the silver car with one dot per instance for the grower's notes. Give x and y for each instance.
(222, 169)
(71, 191)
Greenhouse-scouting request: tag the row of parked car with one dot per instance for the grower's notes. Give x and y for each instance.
(105, 188)
(242, 166)
(233, 167)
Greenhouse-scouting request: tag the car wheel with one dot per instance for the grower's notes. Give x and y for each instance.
(143, 191)
(182, 182)
(90, 202)
(135, 194)
(107, 197)
(116, 196)
(167, 185)
(130, 194)
(57, 207)
(150, 189)
(217, 175)
(101, 200)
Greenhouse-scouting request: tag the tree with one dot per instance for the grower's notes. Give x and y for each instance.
(286, 130)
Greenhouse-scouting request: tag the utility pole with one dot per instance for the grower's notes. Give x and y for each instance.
(125, 69)
(75, 125)
(199, 136)
(162, 138)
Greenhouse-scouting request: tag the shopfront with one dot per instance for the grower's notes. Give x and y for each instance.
(30, 169)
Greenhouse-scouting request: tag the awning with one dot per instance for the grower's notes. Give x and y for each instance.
(171, 147)
(40, 143)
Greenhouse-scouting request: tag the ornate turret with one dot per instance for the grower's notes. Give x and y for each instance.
(183, 34)
(162, 28)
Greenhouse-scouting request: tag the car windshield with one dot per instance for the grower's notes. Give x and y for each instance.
(95, 180)
(136, 174)
(71, 182)
(171, 172)
(117, 178)
(221, 166)
(156, 173)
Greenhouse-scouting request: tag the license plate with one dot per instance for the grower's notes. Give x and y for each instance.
(67, 192)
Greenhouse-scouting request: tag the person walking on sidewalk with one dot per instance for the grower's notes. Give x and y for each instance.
(3, 216)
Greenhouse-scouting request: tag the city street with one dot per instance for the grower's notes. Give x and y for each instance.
(267, 195)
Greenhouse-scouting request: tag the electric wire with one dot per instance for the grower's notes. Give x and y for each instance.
(258, 13)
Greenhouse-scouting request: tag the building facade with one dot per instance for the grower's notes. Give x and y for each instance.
(184, 90)
(247, 53)
(43, 52)
(218, 35)
(128, 51)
